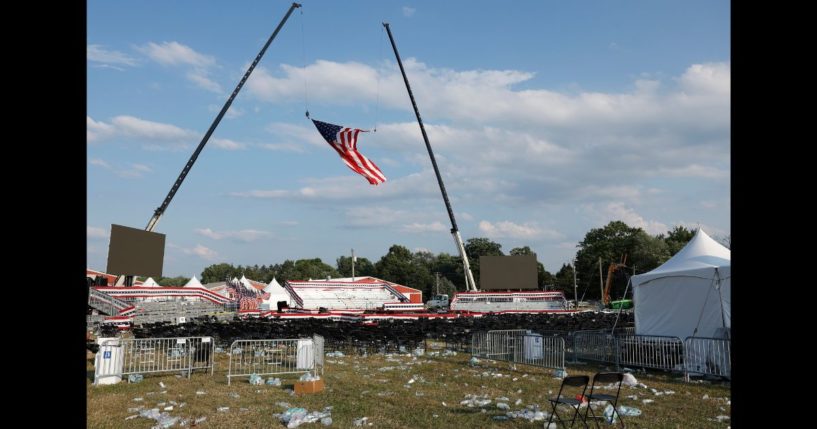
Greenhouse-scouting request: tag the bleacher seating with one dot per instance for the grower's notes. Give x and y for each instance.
(344, 298)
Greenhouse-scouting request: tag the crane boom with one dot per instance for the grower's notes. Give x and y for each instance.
(469, 277)
(614, 266)
(157, 214)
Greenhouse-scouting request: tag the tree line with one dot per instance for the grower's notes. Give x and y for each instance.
(430, 272)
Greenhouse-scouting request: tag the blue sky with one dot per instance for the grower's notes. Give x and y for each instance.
(547, 119)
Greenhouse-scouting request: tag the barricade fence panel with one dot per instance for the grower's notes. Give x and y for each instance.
(319, 352)
(651, 351)
(156, 355)
(710, 356)
(519, 346)
(273, 357)
(598, 346)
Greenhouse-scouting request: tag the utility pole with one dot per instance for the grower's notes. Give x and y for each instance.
(353, 264)
(575, 288)
(601, 282)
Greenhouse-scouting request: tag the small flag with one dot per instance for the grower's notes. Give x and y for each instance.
(344, 141)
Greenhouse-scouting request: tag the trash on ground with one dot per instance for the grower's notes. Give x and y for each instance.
(361, 421)
(273, 381)
(135, 378)
(256, 380)
(629, 380)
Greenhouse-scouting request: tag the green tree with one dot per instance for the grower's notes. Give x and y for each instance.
(450, 267)
(315, 269)
(677, 238)
(363, 267)
(609, 243)
(563, 281)
(219, 273)
(396, 266)
(173, 281)
(480, 246)
(543, 277)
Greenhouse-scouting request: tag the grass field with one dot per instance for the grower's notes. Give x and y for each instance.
(377, 387)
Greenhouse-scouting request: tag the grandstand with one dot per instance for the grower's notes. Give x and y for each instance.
(360, 294)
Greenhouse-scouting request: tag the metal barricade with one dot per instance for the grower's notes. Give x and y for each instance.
(651, 351)
(272, 357)
(157, 355)
(599, 346)
(710, 356)
(319, 354)
(519, 346)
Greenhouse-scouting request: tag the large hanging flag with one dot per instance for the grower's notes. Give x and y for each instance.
(344, 141)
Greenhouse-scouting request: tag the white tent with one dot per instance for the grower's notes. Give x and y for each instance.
(150, 283)
(247, 285)
(277, 293)
(691, 290)
(193, 282)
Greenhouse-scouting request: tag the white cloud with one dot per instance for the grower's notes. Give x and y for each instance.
(200, 78)
(293, 134)
(98, 130)
(408, 11)
(177, 54)
(513, 230)
(98, 54)
(708, 79)
(99, 163)
(618, 211)
(201, 251)
(352, 189)
(369, 217)
(151, 134)
(695, 170)
(228, 144)
(414, 228)
(133, 171)
(232, 113)
(282, 147)
(174, 53)
(137, 127)
(245, 235)
(97, 233)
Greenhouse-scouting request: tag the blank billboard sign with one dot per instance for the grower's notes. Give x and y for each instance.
(507, 272)
(135, 252)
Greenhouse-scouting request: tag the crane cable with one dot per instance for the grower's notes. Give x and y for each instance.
(303, 61)
(377, 91)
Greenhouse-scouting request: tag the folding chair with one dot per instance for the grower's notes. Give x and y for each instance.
(605, 378)
(576, 381)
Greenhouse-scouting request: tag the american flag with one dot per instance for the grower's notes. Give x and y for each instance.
(344, 141)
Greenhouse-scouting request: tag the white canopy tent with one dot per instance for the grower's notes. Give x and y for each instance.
(193, 282)
(150, 283)
(277, 293)
(247, 285)
(689, 295)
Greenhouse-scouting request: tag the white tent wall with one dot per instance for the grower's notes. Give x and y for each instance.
(673, 305)
(277, 293)
(693, 289)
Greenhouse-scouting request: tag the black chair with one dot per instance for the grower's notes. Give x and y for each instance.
(574, 382)
(605, 378)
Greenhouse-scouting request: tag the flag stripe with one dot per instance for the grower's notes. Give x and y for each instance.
(344, 141)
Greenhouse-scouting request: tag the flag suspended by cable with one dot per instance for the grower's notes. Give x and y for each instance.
(344, 141)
